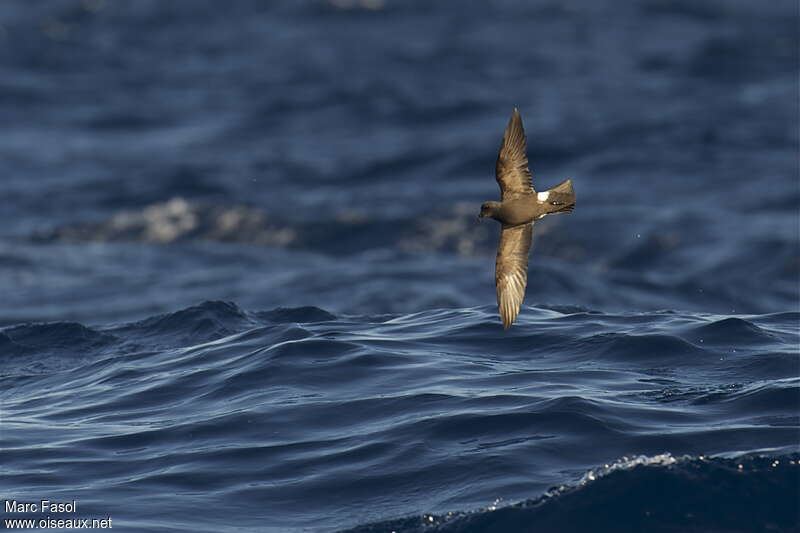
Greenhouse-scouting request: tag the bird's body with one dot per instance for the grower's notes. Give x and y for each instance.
(519, 207)
(533, 206)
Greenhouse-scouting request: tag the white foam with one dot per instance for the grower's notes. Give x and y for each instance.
(626, 463)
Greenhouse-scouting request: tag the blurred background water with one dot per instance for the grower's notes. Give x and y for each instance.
(242, 285)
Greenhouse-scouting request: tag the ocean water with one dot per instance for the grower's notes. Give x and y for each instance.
(242, 287)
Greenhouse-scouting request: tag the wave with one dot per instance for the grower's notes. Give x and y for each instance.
(183, 219)
(570, 332)
(299, 413)
(659, 493)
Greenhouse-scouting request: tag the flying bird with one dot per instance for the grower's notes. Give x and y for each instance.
(518, 207)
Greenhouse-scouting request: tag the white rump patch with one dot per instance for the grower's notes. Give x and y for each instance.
(543, 196)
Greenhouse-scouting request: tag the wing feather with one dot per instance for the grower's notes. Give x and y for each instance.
(511, 169)
(511, 270)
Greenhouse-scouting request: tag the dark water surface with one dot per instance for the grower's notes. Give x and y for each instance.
(242, 287)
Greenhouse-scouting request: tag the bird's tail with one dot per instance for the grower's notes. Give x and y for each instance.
(562, 197)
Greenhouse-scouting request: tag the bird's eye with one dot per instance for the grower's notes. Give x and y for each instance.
(556, 203)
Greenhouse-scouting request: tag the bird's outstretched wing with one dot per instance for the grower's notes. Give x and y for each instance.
(511, 170)
(511, 270)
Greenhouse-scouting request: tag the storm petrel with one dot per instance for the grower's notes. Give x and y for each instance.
(518, 207)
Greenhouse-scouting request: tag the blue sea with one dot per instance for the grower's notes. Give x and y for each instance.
(243, 288)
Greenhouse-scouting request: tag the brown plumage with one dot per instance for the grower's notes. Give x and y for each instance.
(519, 206)
(511, 169)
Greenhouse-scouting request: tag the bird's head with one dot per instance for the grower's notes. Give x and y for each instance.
(488, 209)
